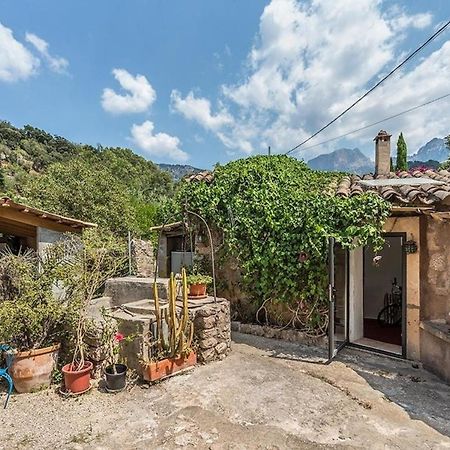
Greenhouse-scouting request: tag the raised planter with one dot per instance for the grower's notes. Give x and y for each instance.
(77, 381)
(31, 370)
(167, 367)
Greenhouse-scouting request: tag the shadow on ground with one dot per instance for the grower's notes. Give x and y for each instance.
(420, 393)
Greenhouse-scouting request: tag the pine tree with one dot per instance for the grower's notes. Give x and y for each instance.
(402, 152)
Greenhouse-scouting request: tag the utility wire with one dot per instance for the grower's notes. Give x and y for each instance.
(410, 56)
(378, 122)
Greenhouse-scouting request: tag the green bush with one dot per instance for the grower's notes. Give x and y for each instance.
(42, 298)
(272, 209)
(32, 314)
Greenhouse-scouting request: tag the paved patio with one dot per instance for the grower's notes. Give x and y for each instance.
(264, 395)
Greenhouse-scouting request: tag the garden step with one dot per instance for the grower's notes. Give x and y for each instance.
(131, 289)
(145, 306)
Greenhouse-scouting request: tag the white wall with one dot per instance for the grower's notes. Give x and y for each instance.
(356, 290)
(378, 278)
(45, 237)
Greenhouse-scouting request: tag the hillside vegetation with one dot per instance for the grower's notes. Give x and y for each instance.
(112, 187)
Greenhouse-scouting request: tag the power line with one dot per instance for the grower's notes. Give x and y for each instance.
(378, 122)
(410, 56)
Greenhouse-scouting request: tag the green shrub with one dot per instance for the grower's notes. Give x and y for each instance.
(270, 210)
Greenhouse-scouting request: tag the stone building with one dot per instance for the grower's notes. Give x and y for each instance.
(415, 263)
(397, 301)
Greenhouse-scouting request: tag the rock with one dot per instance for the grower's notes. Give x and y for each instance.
(206, 334)
(207, 355)
(208, 343)
(205, 322)
(220, 348)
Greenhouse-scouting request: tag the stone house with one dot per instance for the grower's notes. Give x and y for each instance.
(24, 227)
(398, 301)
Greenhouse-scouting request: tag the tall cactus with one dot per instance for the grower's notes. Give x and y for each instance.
(181, 328)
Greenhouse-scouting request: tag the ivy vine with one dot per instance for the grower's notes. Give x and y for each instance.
(276, 215)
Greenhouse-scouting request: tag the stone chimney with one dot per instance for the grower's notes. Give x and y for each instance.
(382, 153)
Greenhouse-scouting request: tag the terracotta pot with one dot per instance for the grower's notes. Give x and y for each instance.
(197, 290)
(32, 370)
(169, 366)
(77, 381)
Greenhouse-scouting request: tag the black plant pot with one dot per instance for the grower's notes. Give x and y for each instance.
(116, 381)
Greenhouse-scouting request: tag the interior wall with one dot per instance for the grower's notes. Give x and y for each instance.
(378, 278)
(356, 290)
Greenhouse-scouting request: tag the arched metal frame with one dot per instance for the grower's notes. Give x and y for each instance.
(210, 243)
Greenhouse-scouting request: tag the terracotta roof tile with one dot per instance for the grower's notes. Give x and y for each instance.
(206, 176)
(403, 194)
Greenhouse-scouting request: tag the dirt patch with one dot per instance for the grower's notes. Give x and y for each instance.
(250, 400)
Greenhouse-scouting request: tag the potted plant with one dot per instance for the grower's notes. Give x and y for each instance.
(96, 261)
(36, 313)
(115, 373)
(171, 348)
(112, 340)
(198, 285)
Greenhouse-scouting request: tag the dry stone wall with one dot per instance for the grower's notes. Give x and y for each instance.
(212, 330)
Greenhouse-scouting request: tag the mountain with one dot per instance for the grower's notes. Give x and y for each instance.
(434, 149)
(343, 160)
(179, 171)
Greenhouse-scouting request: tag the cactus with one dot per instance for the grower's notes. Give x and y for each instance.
(181, 328)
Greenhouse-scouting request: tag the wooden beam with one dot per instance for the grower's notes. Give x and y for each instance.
(19, 216)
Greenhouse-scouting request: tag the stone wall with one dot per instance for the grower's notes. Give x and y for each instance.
(142, 254)
(212, 330)
(435, 269)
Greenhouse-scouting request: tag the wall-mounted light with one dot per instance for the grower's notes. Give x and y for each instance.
(410, 246)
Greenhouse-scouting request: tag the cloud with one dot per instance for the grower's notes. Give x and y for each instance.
(312, 59)
(199, 109)
(222, 123)
(139, 98)
(159, 144)
(56, 63)
(16, 62)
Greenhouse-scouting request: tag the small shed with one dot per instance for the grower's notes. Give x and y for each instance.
(24, 227)
(175, 248)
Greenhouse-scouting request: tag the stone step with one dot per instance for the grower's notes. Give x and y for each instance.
(145, 306)
(131, 289)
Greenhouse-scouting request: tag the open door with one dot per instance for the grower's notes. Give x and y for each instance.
(337, 298)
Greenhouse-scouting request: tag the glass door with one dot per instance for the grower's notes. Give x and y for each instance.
(337, 298)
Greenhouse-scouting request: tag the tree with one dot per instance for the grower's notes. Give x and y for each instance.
(402, 152)
(2, 180)
(446, 164)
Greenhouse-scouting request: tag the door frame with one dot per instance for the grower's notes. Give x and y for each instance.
(404, 302)
(332, 349)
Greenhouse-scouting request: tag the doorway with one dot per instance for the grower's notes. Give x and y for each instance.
(380, 313)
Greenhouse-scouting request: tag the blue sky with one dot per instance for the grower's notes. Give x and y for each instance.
(208, 81)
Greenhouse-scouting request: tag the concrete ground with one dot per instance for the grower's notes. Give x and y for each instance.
(264, 395)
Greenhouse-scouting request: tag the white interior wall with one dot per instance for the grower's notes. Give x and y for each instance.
(378, 277)
(356, 291)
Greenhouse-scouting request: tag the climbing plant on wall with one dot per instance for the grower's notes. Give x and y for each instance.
(275, 210)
